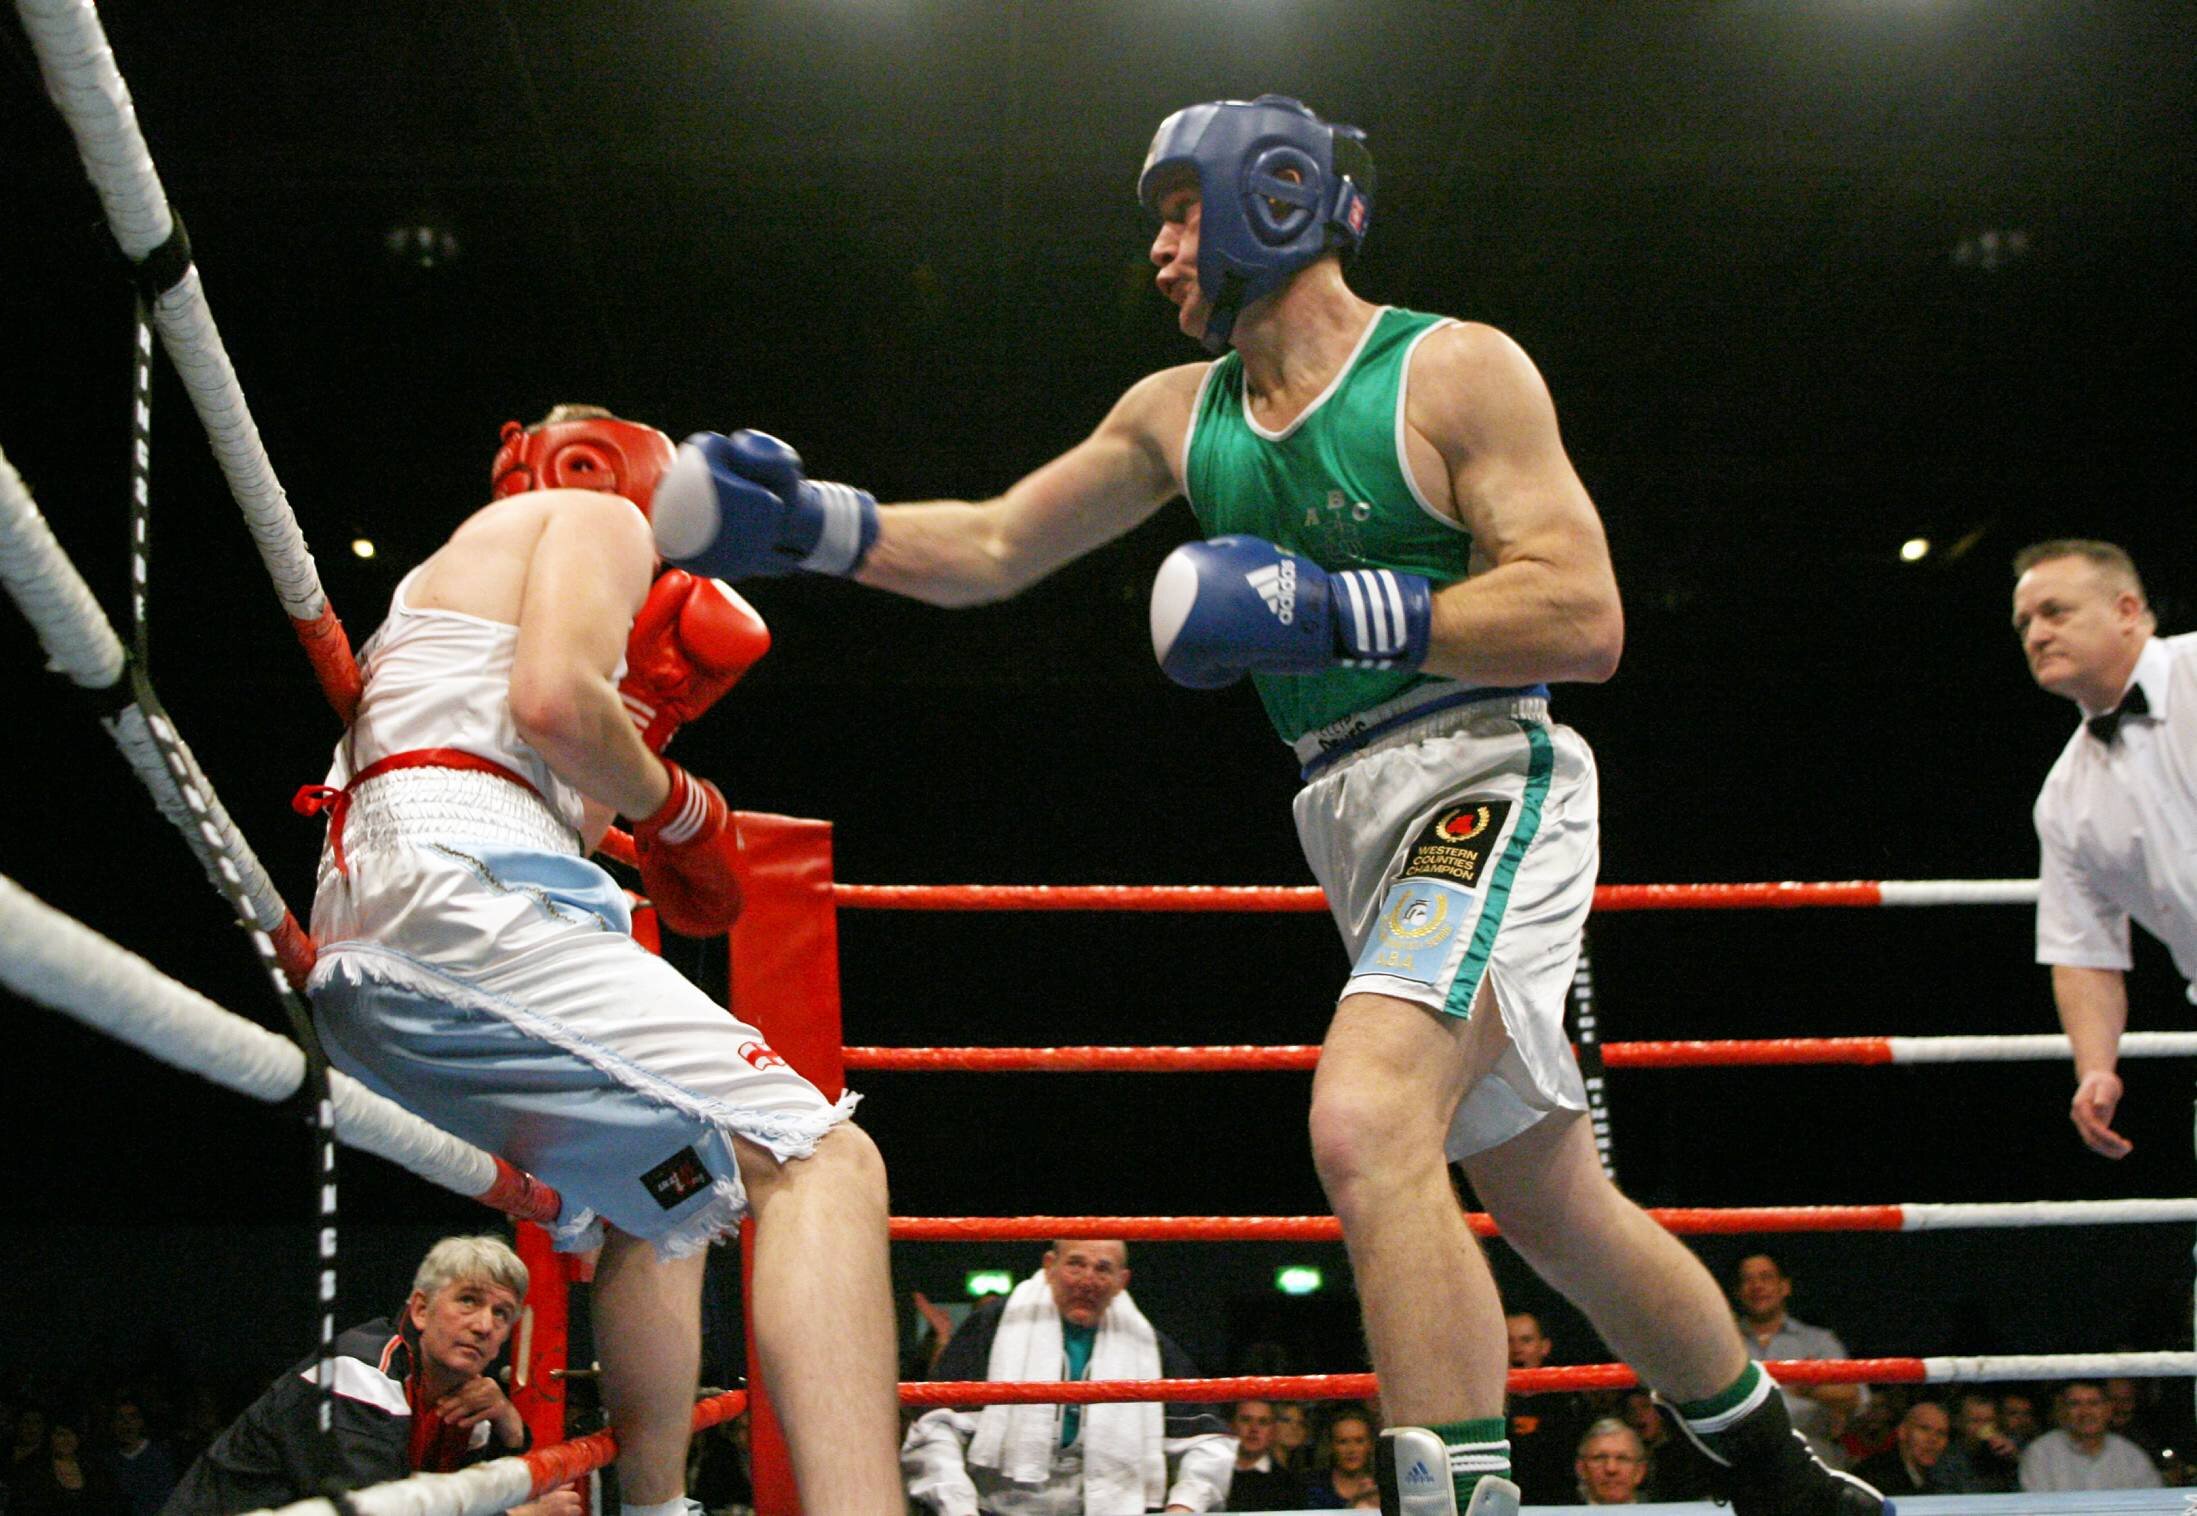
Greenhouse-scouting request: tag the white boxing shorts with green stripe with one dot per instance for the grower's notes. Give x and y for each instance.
(1458, 850)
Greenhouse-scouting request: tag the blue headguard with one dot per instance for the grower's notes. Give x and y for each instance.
(1259, 222)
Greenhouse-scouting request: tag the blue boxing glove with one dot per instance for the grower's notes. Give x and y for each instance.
(735, 507)
(1234, 604)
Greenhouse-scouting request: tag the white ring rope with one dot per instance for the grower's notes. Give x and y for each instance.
(1938, 1217)
(78, 638)
(2023, 1047)
(191, 805)
(2009, 1366)
(82, 80)
(481, 1490)
(1957, 892)
(59, 962)
(187, 332)
(84, 84)
(81, 642)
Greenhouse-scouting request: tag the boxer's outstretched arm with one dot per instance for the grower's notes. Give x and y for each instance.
(952, 552)
(587, 575)
(1547, 607)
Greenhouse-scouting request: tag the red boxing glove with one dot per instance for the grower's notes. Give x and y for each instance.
(691, 642)
(690, 857)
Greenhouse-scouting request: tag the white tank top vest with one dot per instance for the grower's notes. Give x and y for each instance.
(442, 679)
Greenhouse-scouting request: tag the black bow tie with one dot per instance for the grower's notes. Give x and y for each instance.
(2107, 727)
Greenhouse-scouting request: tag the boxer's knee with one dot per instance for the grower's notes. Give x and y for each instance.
(1389, 1079)
(845, 1162)
(854, 1160)
(1364, 1146)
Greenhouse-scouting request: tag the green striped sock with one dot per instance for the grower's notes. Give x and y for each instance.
(1478, 1449)
(1712, 1420)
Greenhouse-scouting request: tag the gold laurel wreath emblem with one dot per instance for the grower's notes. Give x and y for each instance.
(1433, 930)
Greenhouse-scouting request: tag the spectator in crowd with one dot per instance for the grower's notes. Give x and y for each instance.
(2116, 814)
(1292, 1435)
(2018, 1417)
(1259, 1483)
(1545, 1427)
(1611, 1464)
(2129, 1414)
(2081, 1453)
(139, 1467)
(1982, 1460)
(63, 1481)
(1818, 1411)
(1874, 1428)
(1072, 1319)
(1913, 1465)
(1675, 1471)
(415, 1395)
(1342, 1465)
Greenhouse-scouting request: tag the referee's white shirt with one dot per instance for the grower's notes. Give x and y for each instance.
(2117, 827)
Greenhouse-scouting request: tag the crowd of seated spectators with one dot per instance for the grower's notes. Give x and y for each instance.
(118, 1449)
(113, 1450)
(1910, 1440)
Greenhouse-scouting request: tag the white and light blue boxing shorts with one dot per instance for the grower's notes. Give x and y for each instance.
(1460, 849)
(476, 970)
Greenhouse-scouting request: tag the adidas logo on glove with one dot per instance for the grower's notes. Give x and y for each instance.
(1277, 586)
(1418, 1475)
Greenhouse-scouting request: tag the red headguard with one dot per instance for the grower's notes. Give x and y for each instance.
(619, 457)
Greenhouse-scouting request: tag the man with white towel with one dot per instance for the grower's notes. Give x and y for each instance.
(1072, 1319)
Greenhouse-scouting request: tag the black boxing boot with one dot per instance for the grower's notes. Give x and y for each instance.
(1762, 1466)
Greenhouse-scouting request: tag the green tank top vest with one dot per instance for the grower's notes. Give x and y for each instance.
(1332, 489)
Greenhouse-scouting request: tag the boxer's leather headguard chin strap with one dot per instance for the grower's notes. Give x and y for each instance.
(1278, 189)
(618, 457)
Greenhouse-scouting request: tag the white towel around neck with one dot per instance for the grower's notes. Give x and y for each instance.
(1124, 1446)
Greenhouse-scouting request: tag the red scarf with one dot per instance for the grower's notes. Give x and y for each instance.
(436, 1447)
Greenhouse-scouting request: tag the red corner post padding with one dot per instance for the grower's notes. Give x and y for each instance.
(785, 946)
(785, 981)
(544, 1354)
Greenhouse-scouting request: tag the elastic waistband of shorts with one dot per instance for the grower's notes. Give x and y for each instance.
(1416, 713)
(452, 805)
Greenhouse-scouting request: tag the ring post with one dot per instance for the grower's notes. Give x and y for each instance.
(785, 983)
(538, 1386)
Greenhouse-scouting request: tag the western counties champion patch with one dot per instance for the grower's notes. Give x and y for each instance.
(1454, 846)
(676, 1178)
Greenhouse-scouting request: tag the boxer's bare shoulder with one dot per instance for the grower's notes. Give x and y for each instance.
(483, 569)
(1158, 407)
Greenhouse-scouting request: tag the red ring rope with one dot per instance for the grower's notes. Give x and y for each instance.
(563, 1462)
(1270, 898)
(1590, 1376)
(1251, 1058)
(1683, 1220)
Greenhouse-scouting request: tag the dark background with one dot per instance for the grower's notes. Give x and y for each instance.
(1806, 279)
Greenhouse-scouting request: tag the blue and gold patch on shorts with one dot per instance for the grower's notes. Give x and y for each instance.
(1416, 937)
